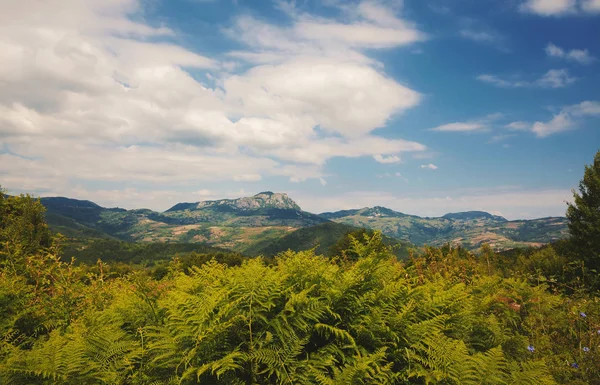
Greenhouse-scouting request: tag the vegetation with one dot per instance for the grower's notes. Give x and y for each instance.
(445, 315)
(147, 254)
(584, 215)
(472, 229)
(266, 223)
(327, 239)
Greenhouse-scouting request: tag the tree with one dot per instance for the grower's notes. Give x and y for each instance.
(584, 215)
(23, 228)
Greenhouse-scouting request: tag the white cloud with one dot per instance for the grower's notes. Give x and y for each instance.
(373, 24)
(549, 7)
(581, 56)
(430, 166)
(334, 94)
(560, 7)
(364, 35)
(587, 108)
(81, 90)
(387, 159)
(495, 80)
(555, 78)
(317, 152)
(478, 125)
(460, 127)
(567, 118)
(518, 126)
(323, 182)
(559, 123)
(553, 50)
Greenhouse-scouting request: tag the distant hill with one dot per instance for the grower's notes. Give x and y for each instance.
(321, 237)
(471, 228)
(269, 222)
(473, 215)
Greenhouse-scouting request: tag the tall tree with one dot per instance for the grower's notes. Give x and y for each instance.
(584, 215)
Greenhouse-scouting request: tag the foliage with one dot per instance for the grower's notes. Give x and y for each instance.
(23, 230)
(446, 316)
(90, 250)
(584, 215)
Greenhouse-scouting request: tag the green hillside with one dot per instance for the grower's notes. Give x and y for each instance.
(230, 223)
(322, 238)
(471, 229)
(270, 222)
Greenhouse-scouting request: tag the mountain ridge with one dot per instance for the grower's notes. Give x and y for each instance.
(216, 202)
(268, 216)
(265, 199)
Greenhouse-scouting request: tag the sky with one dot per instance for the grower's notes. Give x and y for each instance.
(425, 107)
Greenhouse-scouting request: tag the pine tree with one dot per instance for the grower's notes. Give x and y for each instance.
(584, 215)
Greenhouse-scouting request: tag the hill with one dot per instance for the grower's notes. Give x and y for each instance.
(266, 222)
(321, 237)
(230, 223)
(471, 229)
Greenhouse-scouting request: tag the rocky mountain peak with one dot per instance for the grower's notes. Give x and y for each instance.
(265, 199)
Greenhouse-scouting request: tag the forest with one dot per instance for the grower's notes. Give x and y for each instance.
(365, 316)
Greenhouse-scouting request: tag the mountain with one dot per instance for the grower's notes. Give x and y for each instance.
(263, 200)
(471, 228)
(270, 221)
(375, 212)
(228, 223)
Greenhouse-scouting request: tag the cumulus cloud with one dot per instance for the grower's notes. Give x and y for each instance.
(94, 94)
(555, 78)
(581, 56)
(430, 166)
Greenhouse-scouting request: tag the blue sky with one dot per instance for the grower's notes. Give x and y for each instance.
(426, 107)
